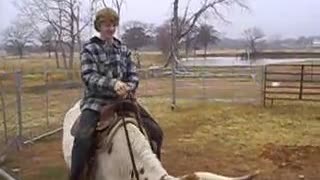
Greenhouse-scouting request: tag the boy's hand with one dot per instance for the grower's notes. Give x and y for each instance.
(121, 88)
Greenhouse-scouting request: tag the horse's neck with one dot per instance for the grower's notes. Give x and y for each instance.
(148, 166)
(144, 155)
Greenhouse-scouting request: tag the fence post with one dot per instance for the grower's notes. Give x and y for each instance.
(312, 63)
(263, 83)
(18, 77)
(2, 95)
(47, 96)
(301, 82)
(146, 87)
(203, 86)
(173, 74)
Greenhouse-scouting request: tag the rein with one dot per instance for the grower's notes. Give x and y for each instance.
(135, 170)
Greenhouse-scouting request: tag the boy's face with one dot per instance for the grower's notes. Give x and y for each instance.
(107, 30)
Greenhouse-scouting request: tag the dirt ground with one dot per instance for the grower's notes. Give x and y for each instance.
(283, 142)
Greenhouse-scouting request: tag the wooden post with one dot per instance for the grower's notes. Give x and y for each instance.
(5, 175)
(264, 75)
(146, 84)
(301, 82)
(248, 56)
(43, 136)
(18, 76)
(312, 70)
(173, 74)
(203, 86)
(47, 96)
(3, 104)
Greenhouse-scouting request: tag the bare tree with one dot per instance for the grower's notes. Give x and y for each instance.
(18, 36)
(190, 40)
(111, 3)
(253, 36)
(180, 28)
(118, 4)
(163, 35)
(206, 35)
(304, 42)
(47, 38)
(136, 34)
(69, 11)
(64, 17)
(162, 38)
(44, 13)
(188, 21)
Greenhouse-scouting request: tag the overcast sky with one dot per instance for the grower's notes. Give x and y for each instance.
(288, 18)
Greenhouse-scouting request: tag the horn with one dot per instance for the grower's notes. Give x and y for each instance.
(211, 176)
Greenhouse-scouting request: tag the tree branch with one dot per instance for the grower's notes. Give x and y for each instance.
(192, 20)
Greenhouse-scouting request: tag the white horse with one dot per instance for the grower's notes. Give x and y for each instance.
(114, 163)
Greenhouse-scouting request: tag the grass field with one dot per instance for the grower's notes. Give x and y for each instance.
(36, 112)
(36, 63)
(232, 139)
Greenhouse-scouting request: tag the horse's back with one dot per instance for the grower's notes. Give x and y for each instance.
(67, 141)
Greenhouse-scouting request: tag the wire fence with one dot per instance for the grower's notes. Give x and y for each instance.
(33, 103)
(221, 83)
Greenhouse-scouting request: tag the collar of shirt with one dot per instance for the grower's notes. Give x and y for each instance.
(115, 42)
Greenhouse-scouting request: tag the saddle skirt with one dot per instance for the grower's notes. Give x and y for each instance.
(111, 120)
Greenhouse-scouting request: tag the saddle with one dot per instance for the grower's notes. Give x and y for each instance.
(108, 114)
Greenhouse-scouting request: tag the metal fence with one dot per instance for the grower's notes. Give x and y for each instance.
(221, 83)
(33, 103)
(10, 97)
(224, 83)
(298, 82)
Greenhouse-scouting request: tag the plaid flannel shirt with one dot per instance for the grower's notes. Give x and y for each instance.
(101, 66)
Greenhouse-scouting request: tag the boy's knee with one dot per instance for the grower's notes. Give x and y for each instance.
(85, 132)
(88, 123)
